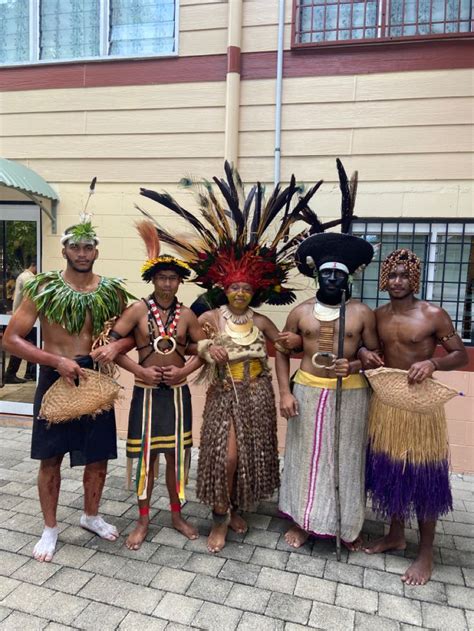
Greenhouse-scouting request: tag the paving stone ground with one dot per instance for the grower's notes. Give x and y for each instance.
(257, 582)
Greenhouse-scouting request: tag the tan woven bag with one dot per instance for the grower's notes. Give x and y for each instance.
(92, 396)
(392, 387)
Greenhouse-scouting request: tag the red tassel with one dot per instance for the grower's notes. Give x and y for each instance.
(175, 508)
(143, 511)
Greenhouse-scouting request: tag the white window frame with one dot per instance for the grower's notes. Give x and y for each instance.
(104, 43)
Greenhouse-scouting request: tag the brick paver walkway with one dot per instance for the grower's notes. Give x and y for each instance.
(257, 582)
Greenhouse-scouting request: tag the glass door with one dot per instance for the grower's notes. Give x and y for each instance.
(20, 245)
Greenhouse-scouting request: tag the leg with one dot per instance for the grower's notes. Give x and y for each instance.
(237, 523)
(12, 369)
(93, 481)
(178, 522)
(394, 540)
(420, 570)
(138, 534)
(216, 539)
(49, 482)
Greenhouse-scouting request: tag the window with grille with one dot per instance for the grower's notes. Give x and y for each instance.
(342, 21)
(67, 30)
(446, 250)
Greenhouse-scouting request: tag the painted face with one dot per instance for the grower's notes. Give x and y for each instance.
(239, 295)
(166, 284)
(332, 282)
(80, 256)
(398, 285)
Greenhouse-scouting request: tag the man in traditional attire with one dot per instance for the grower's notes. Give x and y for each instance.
(160, 413)
(73, 306)
(307, 492)
(407, 461)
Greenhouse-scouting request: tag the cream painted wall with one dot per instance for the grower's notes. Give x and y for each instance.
(409, 135)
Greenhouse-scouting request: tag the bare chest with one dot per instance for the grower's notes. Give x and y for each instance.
(404, 329)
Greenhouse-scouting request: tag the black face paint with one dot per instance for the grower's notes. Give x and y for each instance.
(332, 282)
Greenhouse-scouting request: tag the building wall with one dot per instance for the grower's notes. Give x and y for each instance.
(403, 119)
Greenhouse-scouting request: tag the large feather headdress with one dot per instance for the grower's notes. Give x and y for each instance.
(240, 236)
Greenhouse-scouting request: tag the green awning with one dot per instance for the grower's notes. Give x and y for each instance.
(15, 175)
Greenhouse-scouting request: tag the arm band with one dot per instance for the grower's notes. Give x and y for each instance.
(115, 336)
(445, 338)
(281, 349)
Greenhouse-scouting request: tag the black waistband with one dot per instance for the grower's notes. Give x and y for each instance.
(84, 361)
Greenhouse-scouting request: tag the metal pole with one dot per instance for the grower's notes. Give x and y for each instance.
(337, 423)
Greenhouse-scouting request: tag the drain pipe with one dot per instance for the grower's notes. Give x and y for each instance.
(278, 90)
(232, 110)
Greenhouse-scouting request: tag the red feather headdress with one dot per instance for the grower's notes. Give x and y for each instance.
(244, 236)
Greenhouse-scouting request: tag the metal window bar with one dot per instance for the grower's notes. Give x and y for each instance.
(434, 254)
(425, 23)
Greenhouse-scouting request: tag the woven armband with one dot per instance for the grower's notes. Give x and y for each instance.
(282, 349)
(445, 338)
(115, 336)
(203, 347)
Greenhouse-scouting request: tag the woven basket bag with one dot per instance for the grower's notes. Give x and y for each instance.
(95, 394)
(392, 388)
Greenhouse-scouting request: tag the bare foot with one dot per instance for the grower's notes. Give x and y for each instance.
(389, 542)
(137, 536)
(184, 527)
(237, 523)
(420, 570)
(354, 546)
(296, 536)
(46, 546)
(216, 539)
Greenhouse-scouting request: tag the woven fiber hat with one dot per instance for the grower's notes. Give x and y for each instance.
(63, 402)
(392, 388)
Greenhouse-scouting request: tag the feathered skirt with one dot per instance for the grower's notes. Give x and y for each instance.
(250, 406)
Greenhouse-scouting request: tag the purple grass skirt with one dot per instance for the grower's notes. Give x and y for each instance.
(405, 490)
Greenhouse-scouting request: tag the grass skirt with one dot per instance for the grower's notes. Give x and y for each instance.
(407, 463)
(254, 417)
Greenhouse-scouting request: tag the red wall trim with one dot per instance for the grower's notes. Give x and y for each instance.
(115, 73)
(233, 59)
(261, 65)
(446, 55)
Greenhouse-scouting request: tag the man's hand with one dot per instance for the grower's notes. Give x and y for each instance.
(369, 359)
(152, 375)
(70, 370)
(420, 371)
(172, 375)
(289, 340)
(105, 354)
(218, 354)
(342, 367)
(288, 405)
